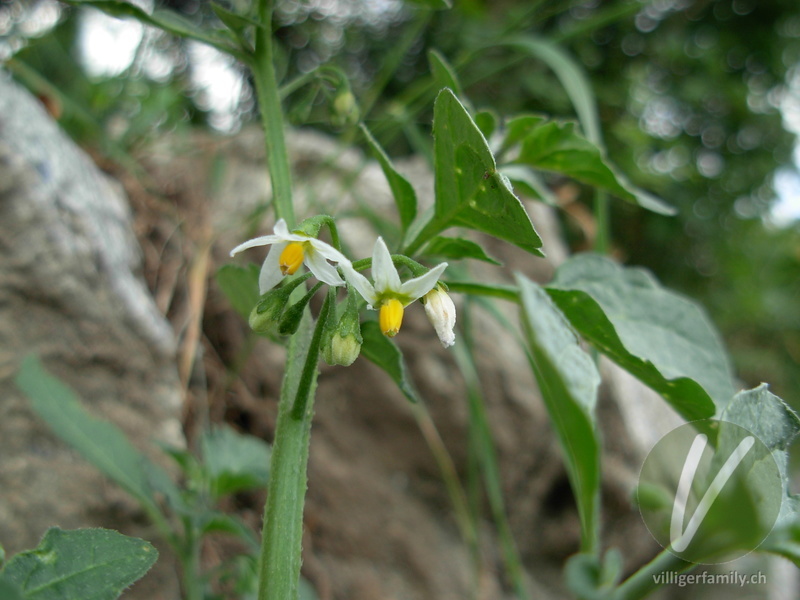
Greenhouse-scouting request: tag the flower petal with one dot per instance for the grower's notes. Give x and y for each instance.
(281, 229)
(264, 240)
(361, 283)
(384, 273)
(441, 312)
(271, 275)
(321, 268)
(328, 252)
(419, 286)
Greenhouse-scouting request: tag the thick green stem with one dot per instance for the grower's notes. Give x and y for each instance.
(281, 542)
(281, 537)
(192, 585)
(269, 102)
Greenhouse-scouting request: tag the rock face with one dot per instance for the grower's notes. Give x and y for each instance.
(70, 293)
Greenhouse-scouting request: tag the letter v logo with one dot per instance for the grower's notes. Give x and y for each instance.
(710, 503)
(679, 537)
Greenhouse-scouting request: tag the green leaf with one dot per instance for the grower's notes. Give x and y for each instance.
(380, 350)
(589, 579)
(503, 292)
(458, 248)
(234, 461)
(404, 196)
(661, 337)
(240, 286)
(555, 146)
(444, 75)
(240, 25)
(486, 120)
(101, 443)
(214, 521)
(572, 77)
(233, 21)
(9, 590)
(517, 128)
(90, 564)
(568, 381)
(771, 420)
(527, 180)
(785, 541)
(168, 21)
(764, 414)
(469, 190)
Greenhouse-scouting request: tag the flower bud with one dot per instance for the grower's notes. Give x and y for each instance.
(345, 109)
(342, 349)
(266, 315)
(442, 314)
(343, 344)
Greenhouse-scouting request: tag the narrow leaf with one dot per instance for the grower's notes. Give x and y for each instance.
(233, 21)
(100, 442)
(444, 75)
(659, 336)
(469, 190)
(568, 381)
(404, 196)
(90, 564)
(168, 21)
(458, 248)
(571, 76)
(380, 350)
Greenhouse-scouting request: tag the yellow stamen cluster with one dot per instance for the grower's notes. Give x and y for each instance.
(291, 258)
(391, 317)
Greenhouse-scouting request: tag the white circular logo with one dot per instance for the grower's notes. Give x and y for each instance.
(710, 491)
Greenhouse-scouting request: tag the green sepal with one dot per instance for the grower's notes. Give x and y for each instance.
(312, 226)
(290, 320)
(267, 315)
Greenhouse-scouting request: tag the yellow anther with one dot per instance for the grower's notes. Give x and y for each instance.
(291, 258)
(391, 317)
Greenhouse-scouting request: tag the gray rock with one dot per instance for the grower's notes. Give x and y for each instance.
(70, 293)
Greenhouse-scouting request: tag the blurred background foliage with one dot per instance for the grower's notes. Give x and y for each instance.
(699, 103)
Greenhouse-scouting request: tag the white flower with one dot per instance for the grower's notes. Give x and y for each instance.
(289, 251)
(388, 294)
(442, 314)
